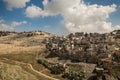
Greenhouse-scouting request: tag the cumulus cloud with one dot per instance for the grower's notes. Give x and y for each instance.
(15, 3)
(77, 15)
(10, 27)
(34, 11)
(5, 27)
(14, 23)
(1, 21)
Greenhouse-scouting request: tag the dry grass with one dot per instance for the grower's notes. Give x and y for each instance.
(14, 72)
(23, 70)
(12, 49)
(18, 44)
(23, 49)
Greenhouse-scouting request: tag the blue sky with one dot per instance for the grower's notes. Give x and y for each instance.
(56, 20)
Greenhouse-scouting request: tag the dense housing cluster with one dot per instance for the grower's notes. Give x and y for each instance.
(82, 46)
(101, 49)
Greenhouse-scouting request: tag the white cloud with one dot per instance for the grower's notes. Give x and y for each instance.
(1, 20)
(77, 15)
(34, 11)
(10, 27)
(14, 23)
(5, 27)
(117, 27)
(46, 26)
(15, 3)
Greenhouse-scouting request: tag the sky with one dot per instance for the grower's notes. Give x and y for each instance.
(60, 16)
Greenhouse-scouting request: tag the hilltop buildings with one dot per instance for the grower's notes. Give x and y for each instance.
(82, 46)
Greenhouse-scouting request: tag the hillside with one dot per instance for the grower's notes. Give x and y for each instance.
(22, 42)
(78, 56)
(14, 72)
(23, 48)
